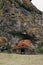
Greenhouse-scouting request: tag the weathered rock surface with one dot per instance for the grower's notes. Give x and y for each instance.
(22, 16)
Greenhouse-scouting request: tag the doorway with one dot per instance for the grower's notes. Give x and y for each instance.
(22, 50)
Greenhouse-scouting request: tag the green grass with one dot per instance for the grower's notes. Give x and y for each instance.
(15, 59)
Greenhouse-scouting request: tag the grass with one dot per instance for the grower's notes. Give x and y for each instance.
(15, 59)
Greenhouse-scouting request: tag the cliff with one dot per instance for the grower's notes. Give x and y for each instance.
(20, 16)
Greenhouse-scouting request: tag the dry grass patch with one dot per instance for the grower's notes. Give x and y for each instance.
(15, 59)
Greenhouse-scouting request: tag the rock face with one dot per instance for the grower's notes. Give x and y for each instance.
(22, 16)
